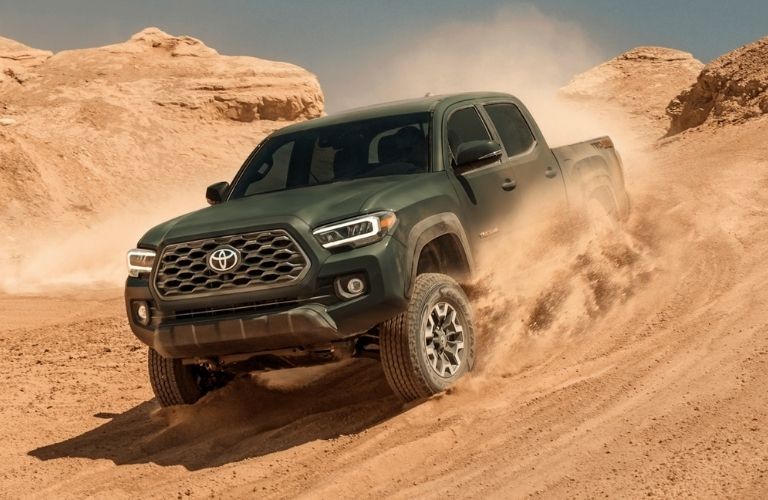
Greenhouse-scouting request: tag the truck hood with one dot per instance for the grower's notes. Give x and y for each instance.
(313, 205)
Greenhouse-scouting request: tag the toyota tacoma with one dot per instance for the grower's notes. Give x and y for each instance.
(352, 235)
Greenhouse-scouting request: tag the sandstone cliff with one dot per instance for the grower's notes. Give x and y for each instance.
(86, 131)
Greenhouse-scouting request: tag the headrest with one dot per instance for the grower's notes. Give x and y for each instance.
(388, 150)
(408, 137)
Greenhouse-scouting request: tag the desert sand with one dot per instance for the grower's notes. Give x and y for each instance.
(630, 363)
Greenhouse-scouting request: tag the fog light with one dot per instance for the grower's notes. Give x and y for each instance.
(349, 287)
(142, 313)
(355, 286)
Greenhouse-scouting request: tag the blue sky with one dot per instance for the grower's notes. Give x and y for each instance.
(341, 39)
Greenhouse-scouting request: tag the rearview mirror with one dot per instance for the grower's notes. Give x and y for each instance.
(216, 193)
(474, 154)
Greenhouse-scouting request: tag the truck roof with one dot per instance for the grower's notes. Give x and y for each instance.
(421, 104)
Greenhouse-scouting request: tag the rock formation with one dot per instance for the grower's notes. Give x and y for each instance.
(83, 131)
(640, 82)
(16, 60)
(730, 89)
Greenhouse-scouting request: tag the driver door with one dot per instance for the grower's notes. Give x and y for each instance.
(486, 192)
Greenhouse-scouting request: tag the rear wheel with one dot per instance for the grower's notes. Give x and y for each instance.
(601, 208)
(426, 349)
(175, 383)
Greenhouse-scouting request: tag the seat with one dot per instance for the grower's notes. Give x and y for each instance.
(411, 146)
(344, 163)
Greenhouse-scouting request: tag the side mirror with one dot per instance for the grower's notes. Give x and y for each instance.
(475, 154)
(216, 193)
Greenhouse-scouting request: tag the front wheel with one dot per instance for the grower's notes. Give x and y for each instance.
(175, 383)
(426, 349)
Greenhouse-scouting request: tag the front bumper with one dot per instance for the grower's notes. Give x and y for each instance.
(302, 316)
(302, 325)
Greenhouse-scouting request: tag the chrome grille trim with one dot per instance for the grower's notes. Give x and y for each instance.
(269, 259)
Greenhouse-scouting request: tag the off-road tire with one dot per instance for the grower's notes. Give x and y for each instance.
(402, 339)
(173, 382)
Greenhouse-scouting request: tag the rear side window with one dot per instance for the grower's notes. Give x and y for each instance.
(465, 125)
(512, 128)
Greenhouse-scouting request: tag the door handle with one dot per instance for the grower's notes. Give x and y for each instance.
(509, 184)
(550, 172)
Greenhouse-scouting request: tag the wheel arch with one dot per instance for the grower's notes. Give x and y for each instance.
(441, 232)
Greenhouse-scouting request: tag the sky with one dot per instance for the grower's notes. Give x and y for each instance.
(347, 43)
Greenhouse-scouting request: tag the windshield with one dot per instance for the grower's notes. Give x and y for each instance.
(390, 145)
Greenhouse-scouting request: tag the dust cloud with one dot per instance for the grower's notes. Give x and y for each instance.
(89, 255)
(559, 279)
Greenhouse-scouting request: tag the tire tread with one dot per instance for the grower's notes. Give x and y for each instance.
(400, 348)
(170, 382)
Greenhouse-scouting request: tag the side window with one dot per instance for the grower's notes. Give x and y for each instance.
(465, 125)
(271, 175)
(512, 127)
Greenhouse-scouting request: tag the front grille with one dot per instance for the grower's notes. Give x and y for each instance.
(268, 259)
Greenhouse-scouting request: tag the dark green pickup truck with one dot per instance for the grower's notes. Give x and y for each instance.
(350, 235)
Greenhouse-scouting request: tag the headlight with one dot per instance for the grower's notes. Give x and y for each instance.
(356, 232)
(140, 261)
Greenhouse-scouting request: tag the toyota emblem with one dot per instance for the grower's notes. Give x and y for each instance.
(224, 259)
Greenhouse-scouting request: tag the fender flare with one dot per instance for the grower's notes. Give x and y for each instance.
(429, 229)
